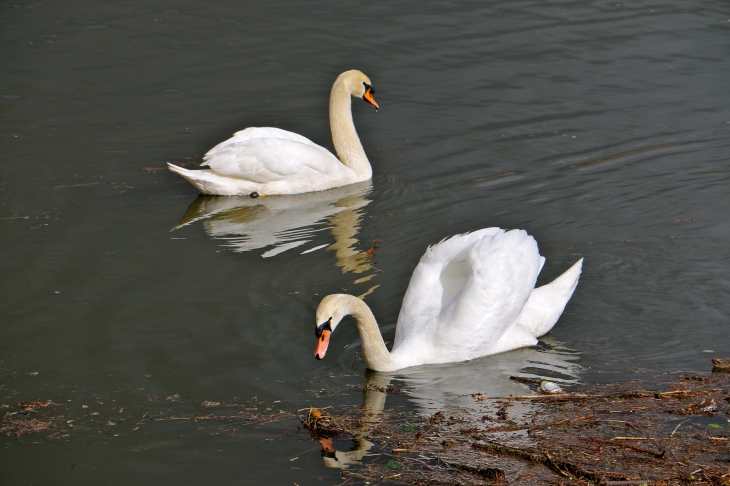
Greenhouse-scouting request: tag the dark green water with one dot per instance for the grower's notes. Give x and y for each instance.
(603, 129)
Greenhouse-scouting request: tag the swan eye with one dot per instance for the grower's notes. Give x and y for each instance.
(327, 326)
(368, 88)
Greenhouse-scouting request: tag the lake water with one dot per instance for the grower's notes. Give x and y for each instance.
(601, 128)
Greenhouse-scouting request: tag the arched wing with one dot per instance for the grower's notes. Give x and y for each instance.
(441, 271)
(265, 160)
(502, 271)
(253, 133)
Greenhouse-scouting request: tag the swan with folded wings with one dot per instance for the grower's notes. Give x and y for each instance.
(267, 161)
(471, 295)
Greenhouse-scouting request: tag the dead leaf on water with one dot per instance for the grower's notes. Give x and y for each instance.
(18, 426)
(34, 405)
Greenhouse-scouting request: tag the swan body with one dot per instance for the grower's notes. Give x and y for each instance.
(269, 161)
(471, 295)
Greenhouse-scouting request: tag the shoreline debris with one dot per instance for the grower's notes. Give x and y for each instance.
(674, 432)
(720, 365)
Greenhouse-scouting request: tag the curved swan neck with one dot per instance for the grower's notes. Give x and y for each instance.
(376, 355)
(344, 136)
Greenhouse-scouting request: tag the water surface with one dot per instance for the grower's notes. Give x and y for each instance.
(600, 128)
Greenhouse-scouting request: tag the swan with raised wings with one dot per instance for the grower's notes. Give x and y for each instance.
(471, 295)
(267, 161)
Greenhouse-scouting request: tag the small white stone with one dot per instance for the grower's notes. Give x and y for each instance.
(549, 387)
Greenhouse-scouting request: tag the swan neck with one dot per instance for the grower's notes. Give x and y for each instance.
(344, 136)
(376, 355)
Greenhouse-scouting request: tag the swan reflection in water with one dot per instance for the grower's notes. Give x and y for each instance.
(452, 386)
(282, 223)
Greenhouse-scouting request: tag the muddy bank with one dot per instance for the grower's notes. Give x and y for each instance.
(669, 432)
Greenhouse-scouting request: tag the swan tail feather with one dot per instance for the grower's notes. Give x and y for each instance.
(546, 303)
(208, 182)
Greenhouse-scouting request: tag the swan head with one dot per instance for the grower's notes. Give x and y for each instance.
(329, 314)
(359, 86)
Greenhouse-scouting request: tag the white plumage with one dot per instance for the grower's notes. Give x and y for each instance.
(471, 295)
(270, 161)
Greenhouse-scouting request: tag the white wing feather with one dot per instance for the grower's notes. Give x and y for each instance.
(502, 274)
(432, 280)
(546, 303)
(265, 160)
(252, 133)
(466, 296)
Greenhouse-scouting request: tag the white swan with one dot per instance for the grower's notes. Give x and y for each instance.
(266, 161)
(471, 295)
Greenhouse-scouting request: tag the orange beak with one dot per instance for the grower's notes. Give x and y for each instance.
(368, 96)
(322, 343)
